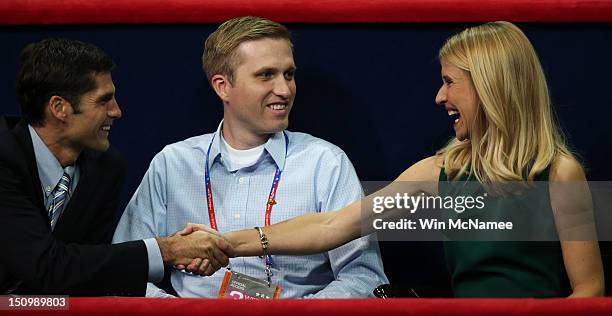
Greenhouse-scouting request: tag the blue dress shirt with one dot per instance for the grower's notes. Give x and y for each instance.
(317, 177)
(50, 171)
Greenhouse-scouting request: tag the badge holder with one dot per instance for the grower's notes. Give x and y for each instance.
(240, 286)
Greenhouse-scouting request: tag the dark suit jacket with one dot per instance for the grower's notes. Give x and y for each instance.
(76, 258)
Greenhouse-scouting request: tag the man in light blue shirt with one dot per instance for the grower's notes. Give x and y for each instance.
(249, 63)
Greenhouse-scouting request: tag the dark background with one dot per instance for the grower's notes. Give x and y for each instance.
(368, 88)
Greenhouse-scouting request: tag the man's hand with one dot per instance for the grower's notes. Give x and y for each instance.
(192, 227)
(201, 266)
(200, 246)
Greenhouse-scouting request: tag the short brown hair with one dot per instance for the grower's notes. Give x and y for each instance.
(219, 55)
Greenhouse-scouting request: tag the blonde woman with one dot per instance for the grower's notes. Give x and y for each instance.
(495, 90)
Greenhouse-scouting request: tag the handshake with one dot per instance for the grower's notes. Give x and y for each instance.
(197, 249)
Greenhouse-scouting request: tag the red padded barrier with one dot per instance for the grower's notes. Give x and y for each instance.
(212, 307)
(18, 12)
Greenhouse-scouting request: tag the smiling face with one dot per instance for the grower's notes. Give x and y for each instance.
(89, 128)
(458, 96)
(258, 100)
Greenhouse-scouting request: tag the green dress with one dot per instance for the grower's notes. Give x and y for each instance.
(506, 268)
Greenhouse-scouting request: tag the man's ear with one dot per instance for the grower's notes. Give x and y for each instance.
(58, 107)
(221, 85)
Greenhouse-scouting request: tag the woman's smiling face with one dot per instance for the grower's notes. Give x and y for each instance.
(458, 96)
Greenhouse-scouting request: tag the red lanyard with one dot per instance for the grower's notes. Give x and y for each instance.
(270, 202)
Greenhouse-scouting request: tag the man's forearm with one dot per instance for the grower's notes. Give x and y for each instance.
(166, 247)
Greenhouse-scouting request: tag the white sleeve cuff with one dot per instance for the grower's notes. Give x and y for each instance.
(156, 263)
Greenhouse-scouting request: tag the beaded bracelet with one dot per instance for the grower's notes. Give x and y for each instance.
(264, 242)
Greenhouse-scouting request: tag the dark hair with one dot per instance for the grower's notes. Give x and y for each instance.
(59, 67)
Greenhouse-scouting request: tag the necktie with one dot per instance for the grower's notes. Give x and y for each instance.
(58, 196)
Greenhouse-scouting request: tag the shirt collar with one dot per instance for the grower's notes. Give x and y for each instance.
(275, 146)
(50, 171)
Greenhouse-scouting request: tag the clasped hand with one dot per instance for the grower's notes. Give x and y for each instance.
(215, 250)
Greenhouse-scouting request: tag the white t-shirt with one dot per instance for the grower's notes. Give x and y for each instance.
(237, 159)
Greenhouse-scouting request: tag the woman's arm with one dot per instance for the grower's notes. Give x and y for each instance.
(306, 234)
(584, 269)
(319, 232)
(571, 202)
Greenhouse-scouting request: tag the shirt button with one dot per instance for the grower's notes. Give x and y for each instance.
(48, 188)
(241, 180)
(236, 216)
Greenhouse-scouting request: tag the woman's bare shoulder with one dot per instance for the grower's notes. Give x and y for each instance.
(427, 169)
(566, 168)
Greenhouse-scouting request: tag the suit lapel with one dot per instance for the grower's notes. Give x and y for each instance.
(22, 134)
(80, 194)
(78, 203)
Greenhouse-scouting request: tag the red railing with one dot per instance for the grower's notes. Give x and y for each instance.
(213, 307)
(21, 12)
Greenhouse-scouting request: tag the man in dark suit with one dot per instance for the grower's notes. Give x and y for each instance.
(60, 182)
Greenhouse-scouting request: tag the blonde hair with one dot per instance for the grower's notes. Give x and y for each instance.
(220, 55)
(514, 135)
